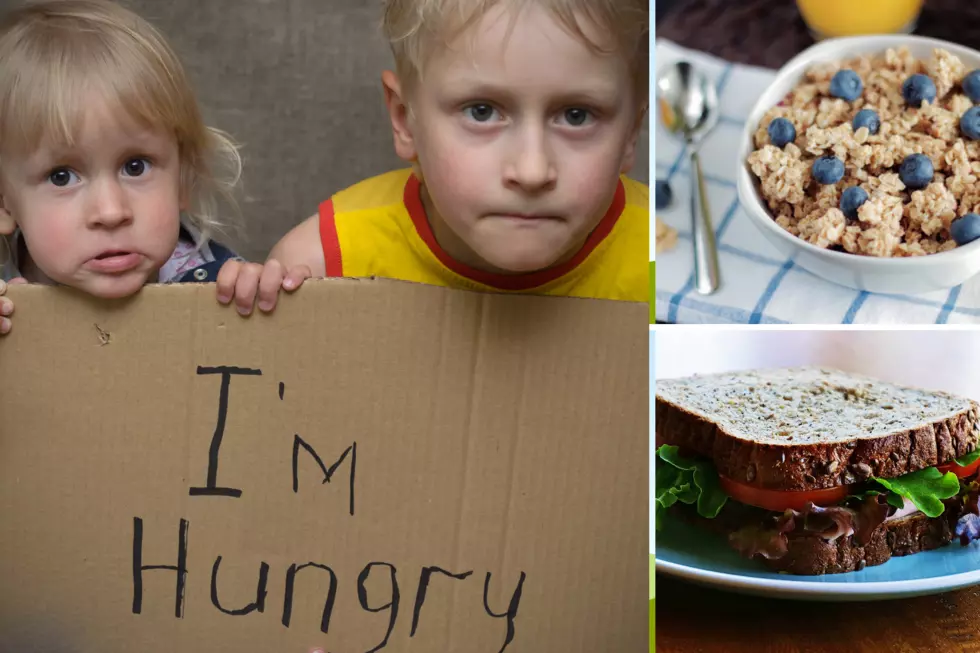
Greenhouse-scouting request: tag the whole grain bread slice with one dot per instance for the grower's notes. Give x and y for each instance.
(812, 555)
(809, 428)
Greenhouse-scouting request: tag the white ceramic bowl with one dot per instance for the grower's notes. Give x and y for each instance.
(912, 275)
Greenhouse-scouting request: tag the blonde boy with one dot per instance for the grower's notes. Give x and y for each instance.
(520, 120)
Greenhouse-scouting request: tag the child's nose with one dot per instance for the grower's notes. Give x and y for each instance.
(110, 206)
(532, 167)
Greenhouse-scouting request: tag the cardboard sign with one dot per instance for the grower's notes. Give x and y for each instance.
(378, 466)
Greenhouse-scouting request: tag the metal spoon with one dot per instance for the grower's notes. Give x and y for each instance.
(689, 110)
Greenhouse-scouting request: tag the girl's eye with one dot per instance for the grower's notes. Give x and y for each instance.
(576, 117)
(136, 167)
(480, 112)
(61, 177)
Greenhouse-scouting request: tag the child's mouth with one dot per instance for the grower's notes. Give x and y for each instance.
(527, 217)
(106, 255)
(114, 262)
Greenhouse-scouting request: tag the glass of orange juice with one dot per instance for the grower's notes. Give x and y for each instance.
(832, 18)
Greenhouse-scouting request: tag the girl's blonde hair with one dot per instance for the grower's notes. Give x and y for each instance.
(415, 27)
(56, 53)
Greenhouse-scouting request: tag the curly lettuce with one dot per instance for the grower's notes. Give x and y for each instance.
(688, 480)
(925, 488)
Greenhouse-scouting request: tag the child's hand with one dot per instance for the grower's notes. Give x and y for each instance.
(242, 282)
(7, 306)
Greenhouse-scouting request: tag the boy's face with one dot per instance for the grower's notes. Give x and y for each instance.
(521, 137)
(102, 215)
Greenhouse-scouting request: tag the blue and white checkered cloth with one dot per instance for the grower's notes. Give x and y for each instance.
(760, 285)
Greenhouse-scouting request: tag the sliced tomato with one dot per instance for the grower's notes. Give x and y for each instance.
(780, 500)
(961, 472)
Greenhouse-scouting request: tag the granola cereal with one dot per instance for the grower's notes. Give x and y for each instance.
(917, 164)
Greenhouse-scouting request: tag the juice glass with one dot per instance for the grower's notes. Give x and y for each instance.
(832, 18)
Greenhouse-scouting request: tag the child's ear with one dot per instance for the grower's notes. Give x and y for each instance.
(398, 112)
(629, 153)
(7, 224)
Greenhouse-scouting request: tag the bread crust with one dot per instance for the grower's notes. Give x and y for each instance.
(816, 465)
(811, 555)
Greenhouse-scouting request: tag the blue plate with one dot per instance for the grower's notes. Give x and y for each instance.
(703, 557)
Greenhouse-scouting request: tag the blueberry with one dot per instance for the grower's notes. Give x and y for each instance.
(965, 229)
(970, 123)
(828, 170)
(971, 85)
(846, 85)
(916, 171)
(664, 194)
(851, 199)
(917, 88)
(781, 132)
(867, 118)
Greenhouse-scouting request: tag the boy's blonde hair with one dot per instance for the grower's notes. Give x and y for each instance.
(415, 27)
(56, 53)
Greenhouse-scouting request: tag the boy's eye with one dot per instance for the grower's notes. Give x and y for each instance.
(136, 167)
(480, 112)
(61, 177)
(576, 117)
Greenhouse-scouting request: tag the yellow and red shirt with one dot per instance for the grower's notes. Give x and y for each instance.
(378, 228)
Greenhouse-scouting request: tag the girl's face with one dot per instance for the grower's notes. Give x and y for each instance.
(101, 215)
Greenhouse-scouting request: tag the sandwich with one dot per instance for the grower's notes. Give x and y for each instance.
(817, 471)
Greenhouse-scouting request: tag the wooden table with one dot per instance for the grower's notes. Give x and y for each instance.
(692, 619)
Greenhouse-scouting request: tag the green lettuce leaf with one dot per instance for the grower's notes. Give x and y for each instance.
(969, 458)
(688, 480)
(925, 488)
